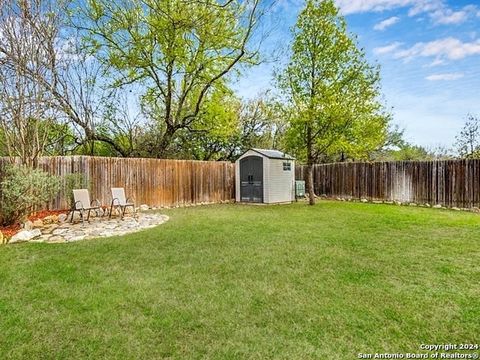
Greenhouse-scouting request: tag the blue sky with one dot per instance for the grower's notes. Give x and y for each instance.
(428, 50)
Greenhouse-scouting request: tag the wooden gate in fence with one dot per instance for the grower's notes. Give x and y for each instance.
(155, 182)
(451, 183)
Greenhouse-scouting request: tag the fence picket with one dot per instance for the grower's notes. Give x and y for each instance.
(155, 182)
(451, 183)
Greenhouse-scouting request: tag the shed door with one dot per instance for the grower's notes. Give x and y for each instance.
(251, 179)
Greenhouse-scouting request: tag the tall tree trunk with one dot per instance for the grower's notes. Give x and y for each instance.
(310, 162)
(165, 141)
(311, 191)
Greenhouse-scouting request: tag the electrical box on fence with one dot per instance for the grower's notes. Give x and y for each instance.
(299, 188)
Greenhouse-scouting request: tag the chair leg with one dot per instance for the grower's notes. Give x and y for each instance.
(88, 215)
(111, 210)
(123, 211)
(73, 213)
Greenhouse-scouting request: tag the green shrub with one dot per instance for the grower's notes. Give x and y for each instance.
(73, 181)
(23, 189)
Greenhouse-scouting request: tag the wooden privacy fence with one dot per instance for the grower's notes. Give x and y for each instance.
(156, 182)
(149, 181)
(451, 183)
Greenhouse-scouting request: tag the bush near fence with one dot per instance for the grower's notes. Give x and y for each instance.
(450, 183)
(155, 182)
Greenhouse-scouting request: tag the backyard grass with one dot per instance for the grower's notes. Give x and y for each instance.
(251, 282)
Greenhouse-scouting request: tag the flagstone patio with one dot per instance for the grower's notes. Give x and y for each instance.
(96, 227)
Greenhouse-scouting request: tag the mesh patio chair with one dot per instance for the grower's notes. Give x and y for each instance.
(83, 204)
(120, 201)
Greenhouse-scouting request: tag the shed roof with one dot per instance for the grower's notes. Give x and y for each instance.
(273, 154)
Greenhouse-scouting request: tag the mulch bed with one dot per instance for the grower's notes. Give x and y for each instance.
(9, 231)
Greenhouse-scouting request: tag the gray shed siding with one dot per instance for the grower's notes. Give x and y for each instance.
(278, 185)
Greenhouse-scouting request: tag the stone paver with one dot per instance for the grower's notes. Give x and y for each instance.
(97, 227)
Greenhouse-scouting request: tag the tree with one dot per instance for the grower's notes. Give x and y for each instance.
(94, 111)
(26, 110)
(177, 51)
(238, 125)
(262, 125)
(45, 74)
(468, 140)
(213, 131)
(331, 92)
(230, 126)
(406, 152)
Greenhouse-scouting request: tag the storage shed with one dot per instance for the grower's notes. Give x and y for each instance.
(265, 176)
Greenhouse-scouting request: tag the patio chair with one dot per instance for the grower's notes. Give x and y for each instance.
(83, 204)
(120, 201)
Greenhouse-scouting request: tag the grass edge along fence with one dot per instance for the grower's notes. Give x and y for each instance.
(450, 183)
(155, 182)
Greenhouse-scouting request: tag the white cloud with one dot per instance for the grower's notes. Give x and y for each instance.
(360, 6)
(440, 13)
(437, 62)
(438, 10)
(387, 49)
(425, 6)
(445, 77)
(446, 16)
(449, 17)
(287, 5)
(447, 48)
(382, 25)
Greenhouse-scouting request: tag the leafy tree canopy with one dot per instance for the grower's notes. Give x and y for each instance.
(331, 92)
(180, 51)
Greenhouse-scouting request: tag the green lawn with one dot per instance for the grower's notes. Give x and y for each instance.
(251, 282)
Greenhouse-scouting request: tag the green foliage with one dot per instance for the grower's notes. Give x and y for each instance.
(406, 152)
(410, 152)
(396, 148)
(262, 124)
(468, 140)
(60, 139)
(179, 52)
(331, 92)
(71, 182)
(22, 189)
(3, 147)
(216, 128)
(229, 126)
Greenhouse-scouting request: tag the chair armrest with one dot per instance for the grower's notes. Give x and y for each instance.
(130, 200)
(75, 205)
(116, 199)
